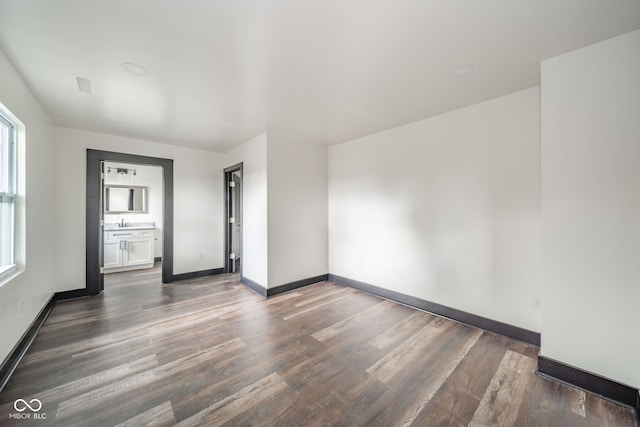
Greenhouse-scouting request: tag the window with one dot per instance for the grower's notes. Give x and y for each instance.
(8, 191)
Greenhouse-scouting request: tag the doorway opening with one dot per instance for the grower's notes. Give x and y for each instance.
(95, 205)
(233, 219)
(132, 216)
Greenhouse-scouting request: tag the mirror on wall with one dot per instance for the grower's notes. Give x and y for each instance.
(125, 199)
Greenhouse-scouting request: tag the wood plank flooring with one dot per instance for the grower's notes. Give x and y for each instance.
(209, 351)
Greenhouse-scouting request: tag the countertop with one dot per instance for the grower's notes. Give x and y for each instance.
(130, 226)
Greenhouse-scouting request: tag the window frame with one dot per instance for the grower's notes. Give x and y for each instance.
(10, 193)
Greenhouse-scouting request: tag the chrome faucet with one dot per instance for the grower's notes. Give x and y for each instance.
(121, 222)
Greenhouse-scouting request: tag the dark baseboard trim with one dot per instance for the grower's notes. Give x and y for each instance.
(256, 287)
(196, 274)
(297, 284)
(269, 292)
(590, 382)
(10, 364)
(76, 293)
(157, 259)
(505, 329)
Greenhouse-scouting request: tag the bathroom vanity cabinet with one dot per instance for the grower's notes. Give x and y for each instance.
(128, 248)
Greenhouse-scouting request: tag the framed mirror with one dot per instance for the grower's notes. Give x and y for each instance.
(125, 199)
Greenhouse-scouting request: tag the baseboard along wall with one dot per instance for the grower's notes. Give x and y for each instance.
(590, 382)
(10, 364)
(196, 274)
(505, 329)
(268, 292)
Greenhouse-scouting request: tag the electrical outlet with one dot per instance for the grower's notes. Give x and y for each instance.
(201, 255)
(535, 303)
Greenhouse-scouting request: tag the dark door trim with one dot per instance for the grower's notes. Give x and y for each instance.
(95, 280)
(228, 172)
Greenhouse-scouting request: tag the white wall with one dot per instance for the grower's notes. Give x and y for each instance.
(33, 284)
(445, 209)
(591, 208)
(147, 176)
(253, 155)
(297, 209)
(198, 201)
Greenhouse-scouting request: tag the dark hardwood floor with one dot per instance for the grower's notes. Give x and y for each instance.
(209, 351)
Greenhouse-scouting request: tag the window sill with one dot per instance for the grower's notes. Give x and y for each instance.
(8, 273)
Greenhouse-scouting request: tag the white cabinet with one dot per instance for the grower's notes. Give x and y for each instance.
(112, 253)
(128, 250)
(137, 252)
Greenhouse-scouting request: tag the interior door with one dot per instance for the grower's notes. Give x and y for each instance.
(101, 222)
(236, 226)
(233, 213)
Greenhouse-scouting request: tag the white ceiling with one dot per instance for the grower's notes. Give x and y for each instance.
(223, 71)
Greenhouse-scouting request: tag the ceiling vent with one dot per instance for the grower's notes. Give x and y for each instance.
(84, 85)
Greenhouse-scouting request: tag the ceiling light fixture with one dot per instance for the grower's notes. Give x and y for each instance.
(463, 70)
(135, 69)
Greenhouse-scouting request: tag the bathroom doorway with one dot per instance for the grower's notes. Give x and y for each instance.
(95, 212)
(233, 177)
(133, 226)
